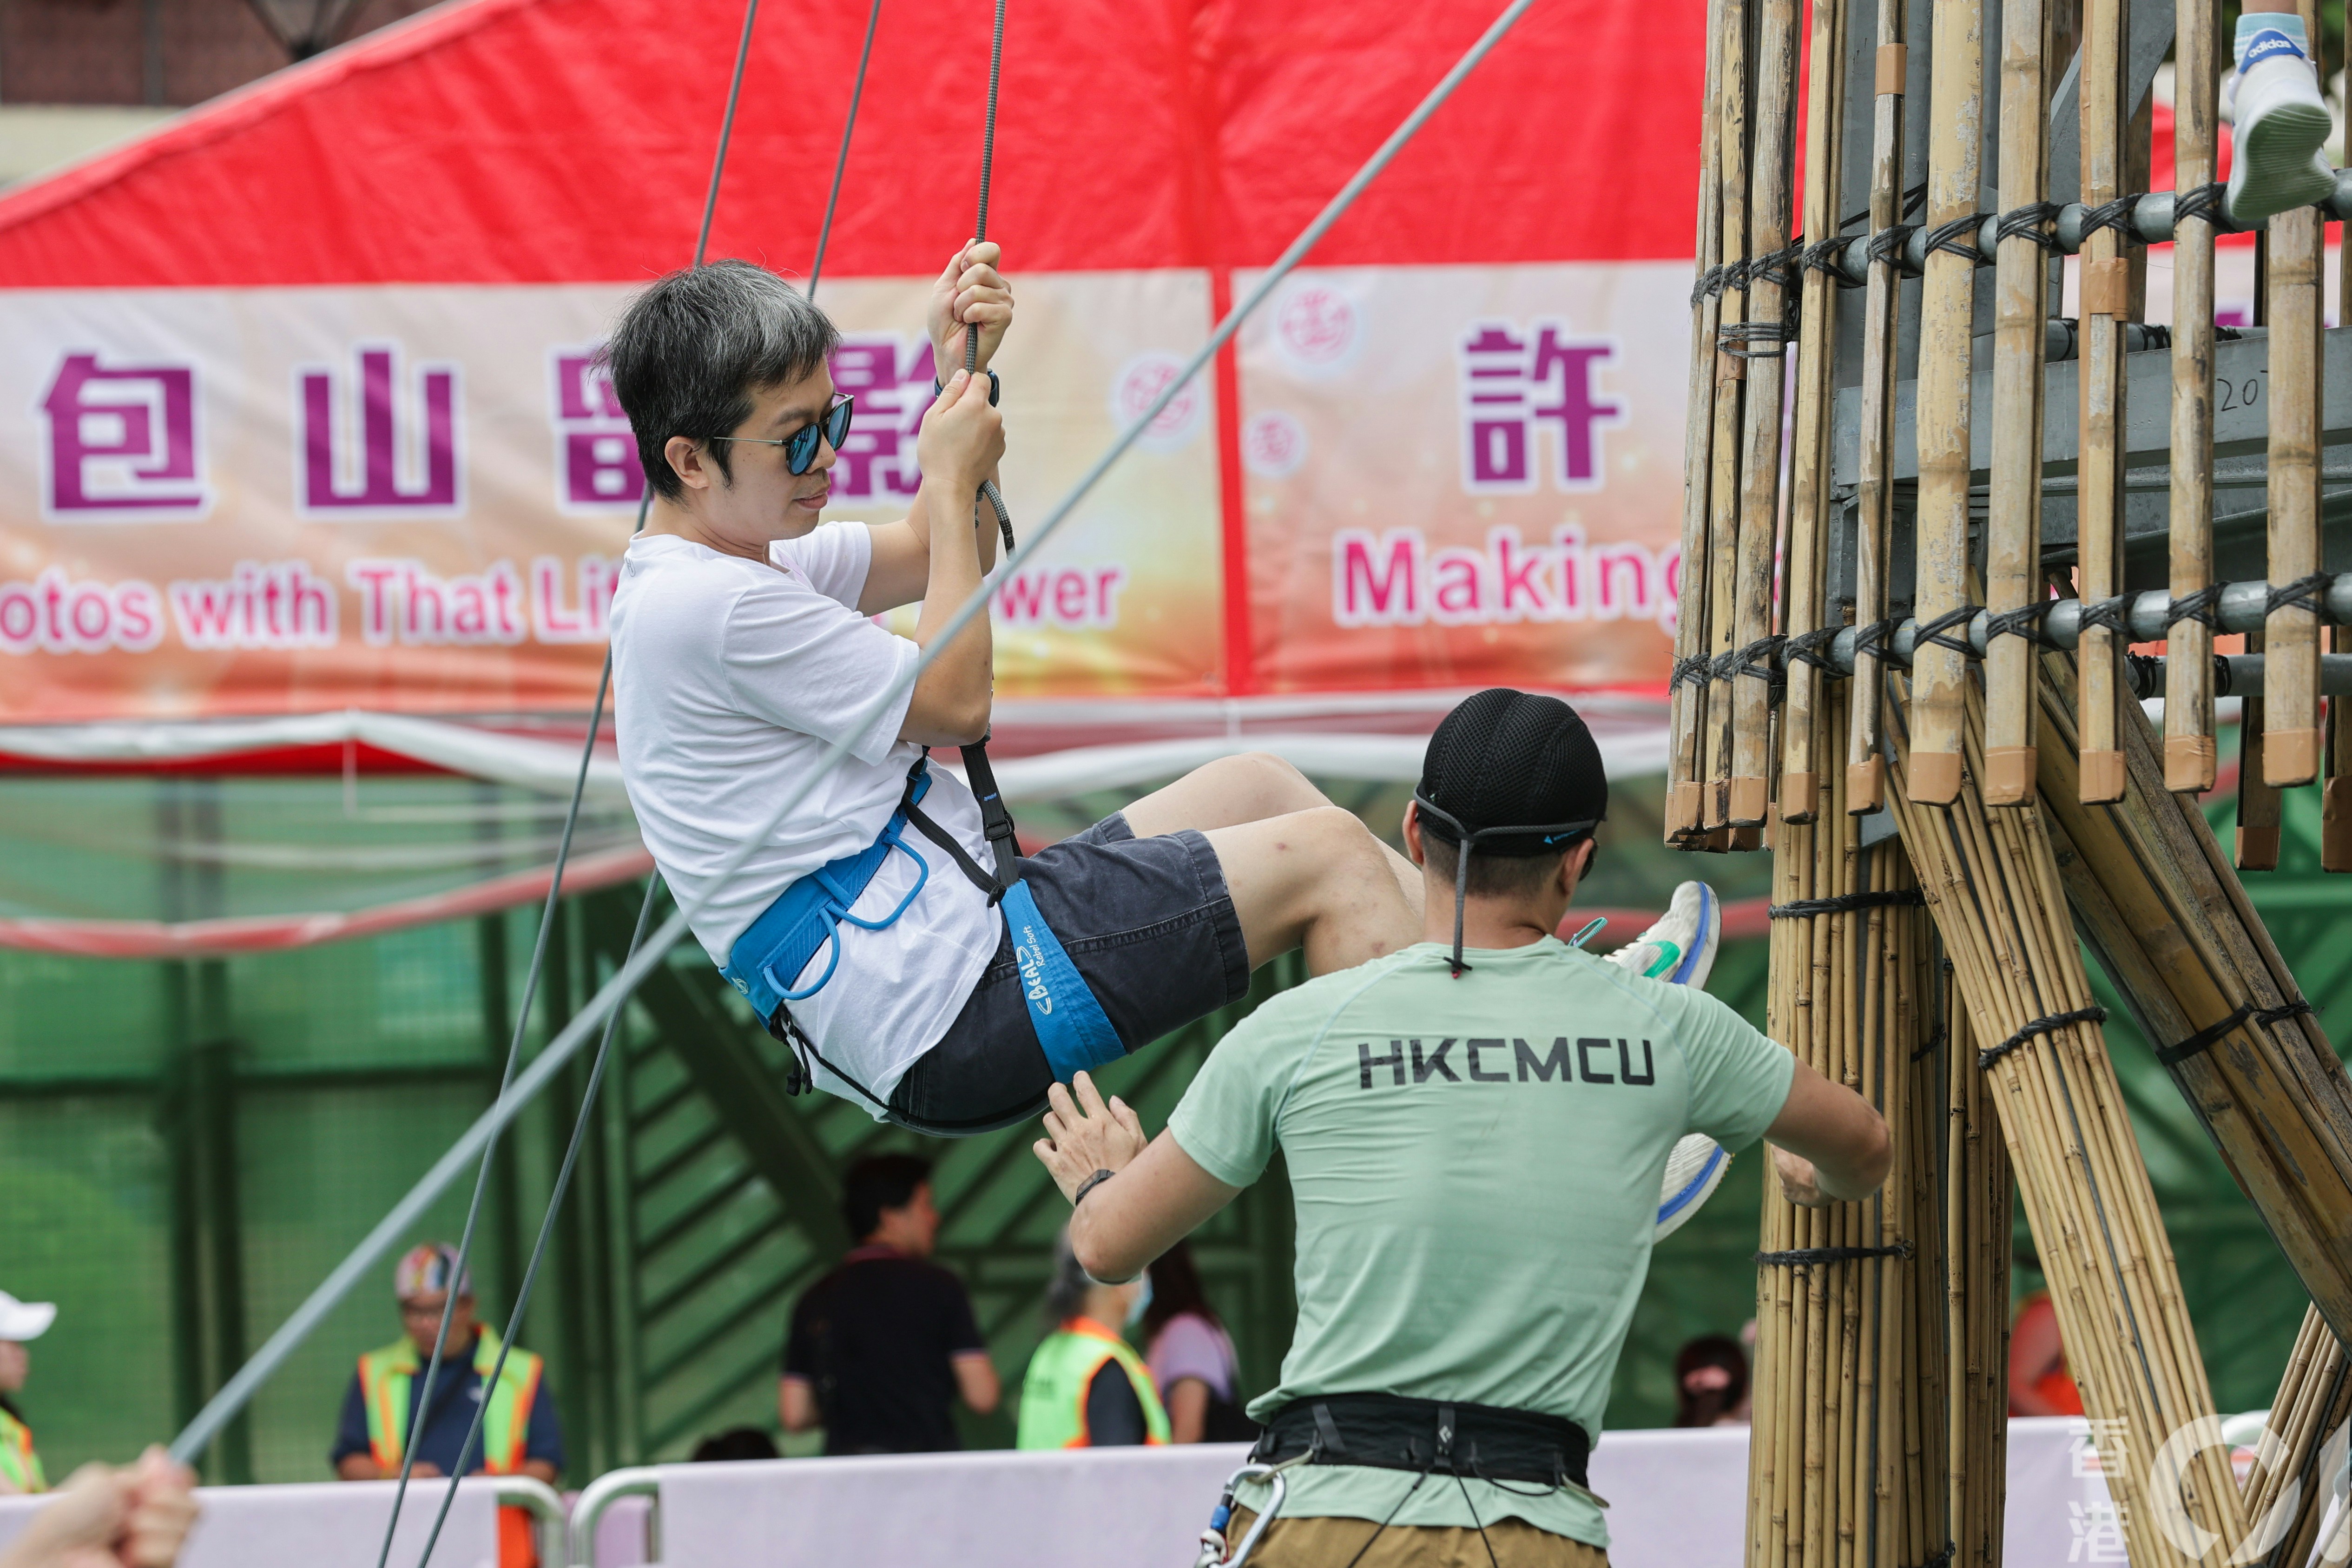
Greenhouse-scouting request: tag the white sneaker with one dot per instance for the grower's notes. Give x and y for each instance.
(2278, 160)
(1694, 1170)
(1680, 948)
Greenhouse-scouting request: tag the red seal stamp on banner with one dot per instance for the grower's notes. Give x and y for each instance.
(1143, 379)
(1314, 327)
(1273, 445)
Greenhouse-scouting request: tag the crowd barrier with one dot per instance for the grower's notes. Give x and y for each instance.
(1675, 1497)
(340, 1524)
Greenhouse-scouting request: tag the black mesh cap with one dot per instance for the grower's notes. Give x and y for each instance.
(1505, 758)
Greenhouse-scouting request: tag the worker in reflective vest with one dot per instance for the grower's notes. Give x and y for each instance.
(1085, 1387)
(20, 1467)
(384, 1405)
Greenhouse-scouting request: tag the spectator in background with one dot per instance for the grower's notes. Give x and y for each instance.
(1191, 1355)
(105, 1518)
(734, 1444)
(2039, 1382)
(1710, 1382)
(1085, 1388)
(881, 1347)
(386, 1401)
(20, 1467)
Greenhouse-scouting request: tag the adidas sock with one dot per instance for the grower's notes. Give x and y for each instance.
(2250, 23)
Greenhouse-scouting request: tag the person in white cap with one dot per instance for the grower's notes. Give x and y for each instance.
(20, 1466)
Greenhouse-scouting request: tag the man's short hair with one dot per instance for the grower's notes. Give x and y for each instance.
(877, 1183)
(1494, 875)
(691, 351)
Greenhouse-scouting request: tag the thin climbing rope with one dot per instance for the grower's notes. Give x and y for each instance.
(841, 164)
(979, 232)
(546, 924)
(616, 990)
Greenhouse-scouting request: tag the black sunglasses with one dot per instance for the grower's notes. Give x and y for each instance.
(800, 446)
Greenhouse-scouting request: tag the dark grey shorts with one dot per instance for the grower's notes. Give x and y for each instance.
(1151, 928)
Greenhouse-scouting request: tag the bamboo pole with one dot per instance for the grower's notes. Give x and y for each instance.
(1809, 507)
(1947, 324)
(1685, 696)
(2021, 288)
(1992, 883)
(2336, 798)
(1874, 492)
(2152, 895)
(1770, 294)
(2288, 1493)
(2189, 752)
(2105, 285)
(1730, 396)
(2258, 796)
(2290, 733)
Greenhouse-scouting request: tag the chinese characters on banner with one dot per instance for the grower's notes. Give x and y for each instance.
(419, 498)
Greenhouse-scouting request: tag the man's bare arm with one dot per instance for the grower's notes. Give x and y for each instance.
(976, 1379)
(795, 1404)
(1832, 1146)
(1158, 1197)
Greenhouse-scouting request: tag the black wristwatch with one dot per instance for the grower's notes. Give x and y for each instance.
(994, 387)
(1089, 1184)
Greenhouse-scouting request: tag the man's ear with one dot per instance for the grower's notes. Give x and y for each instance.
(689, 461)
(1412, 846)
(1573, 865)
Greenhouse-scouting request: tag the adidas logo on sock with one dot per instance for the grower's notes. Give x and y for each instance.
(2266, 45)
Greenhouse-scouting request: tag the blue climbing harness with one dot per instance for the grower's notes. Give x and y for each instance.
(806, 919)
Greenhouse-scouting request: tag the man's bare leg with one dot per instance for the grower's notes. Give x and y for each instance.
(1301, 871)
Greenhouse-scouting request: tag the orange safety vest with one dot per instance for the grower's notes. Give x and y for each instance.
(385, 1378)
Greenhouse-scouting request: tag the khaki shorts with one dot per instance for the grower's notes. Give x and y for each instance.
(1336, 1542)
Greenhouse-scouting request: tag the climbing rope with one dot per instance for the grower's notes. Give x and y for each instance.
(540, 949)
(979, 232)
(653, 950)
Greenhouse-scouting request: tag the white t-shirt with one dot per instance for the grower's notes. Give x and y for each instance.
(730, 678)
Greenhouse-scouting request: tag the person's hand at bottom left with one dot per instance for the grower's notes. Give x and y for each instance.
(1085, 1134)
(105, 1518)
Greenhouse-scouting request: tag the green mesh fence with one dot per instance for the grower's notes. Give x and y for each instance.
(185, 1149)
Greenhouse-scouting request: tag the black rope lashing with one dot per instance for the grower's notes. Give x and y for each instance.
(1934, 631)
(1935, 1043)
(2116, 215)
(1806, 1257)
(1710, 282)
(2035, 221)
(2205, 1039)
(1958, 238)
(2025, 621)
(1868, 640)
(1691, 671)
(1950, 1549)
(1756, 339)
(2107, 613)
(1846, 903)
(1829, 257)
(1812, 647)
(2197, 606)
(1887, 245)
(2304, 591)
(2038, 1027)
(1755, 660)
(2210, 203)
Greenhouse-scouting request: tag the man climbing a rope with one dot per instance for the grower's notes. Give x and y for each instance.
(865, 928)
(1474, 1128)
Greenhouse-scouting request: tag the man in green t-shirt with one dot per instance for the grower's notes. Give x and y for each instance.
(1474, 1130)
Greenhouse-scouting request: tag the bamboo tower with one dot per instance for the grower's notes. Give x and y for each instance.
(1909, 652)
